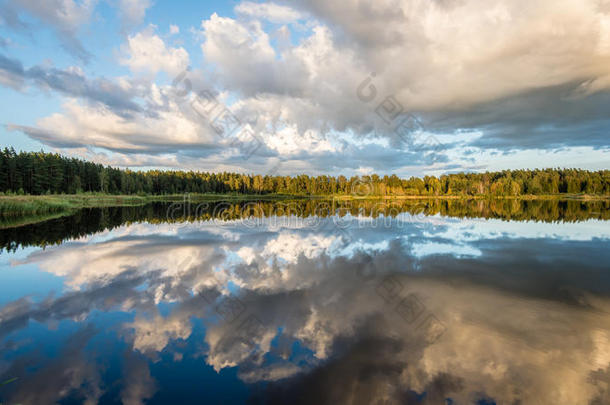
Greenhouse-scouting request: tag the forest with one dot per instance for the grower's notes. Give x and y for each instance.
(39, 173)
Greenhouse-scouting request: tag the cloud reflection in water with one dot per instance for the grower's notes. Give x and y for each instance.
(524, 307)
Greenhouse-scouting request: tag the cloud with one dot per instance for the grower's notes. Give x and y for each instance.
(64, 16)
(371, 373)
(228, 43)
(71, 372)
(11, 72)
(545, 118)
(475, 76)
(75, 305)
(71, 82)
(133, 11)
(146, 52)
(153, 335)
(433, 64)
(508, 77)
(166, 132)
(138, 384)
(272, 12)
(10, 18)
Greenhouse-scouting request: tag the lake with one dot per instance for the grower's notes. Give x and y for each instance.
(309, 302)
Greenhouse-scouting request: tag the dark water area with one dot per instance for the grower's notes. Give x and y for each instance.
(91, 220)
(309, 302)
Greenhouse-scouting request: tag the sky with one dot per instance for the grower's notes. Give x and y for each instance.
(410, 87)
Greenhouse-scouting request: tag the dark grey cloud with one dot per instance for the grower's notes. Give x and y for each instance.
(72, 45)
(71, 83)
(546, 118)
(11, 72)
(389, 158)
(363, 24)
(64, 17)
(601, 380)
(10, 17)
(146, 144)
(346, 159)
(47, 137)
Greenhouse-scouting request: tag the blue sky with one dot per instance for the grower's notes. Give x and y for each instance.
(102, 36)
(470, 86)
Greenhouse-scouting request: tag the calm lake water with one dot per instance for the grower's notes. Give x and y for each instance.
(309, 302)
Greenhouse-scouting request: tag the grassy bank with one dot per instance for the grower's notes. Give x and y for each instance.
(15, 206)
(38, 205)
(24, 210)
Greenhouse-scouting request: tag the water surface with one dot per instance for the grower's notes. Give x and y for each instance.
(309, 302)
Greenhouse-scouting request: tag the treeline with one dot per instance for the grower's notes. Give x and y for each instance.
(46, 173)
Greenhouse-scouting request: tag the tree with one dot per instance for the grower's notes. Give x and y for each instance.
(39, 172)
